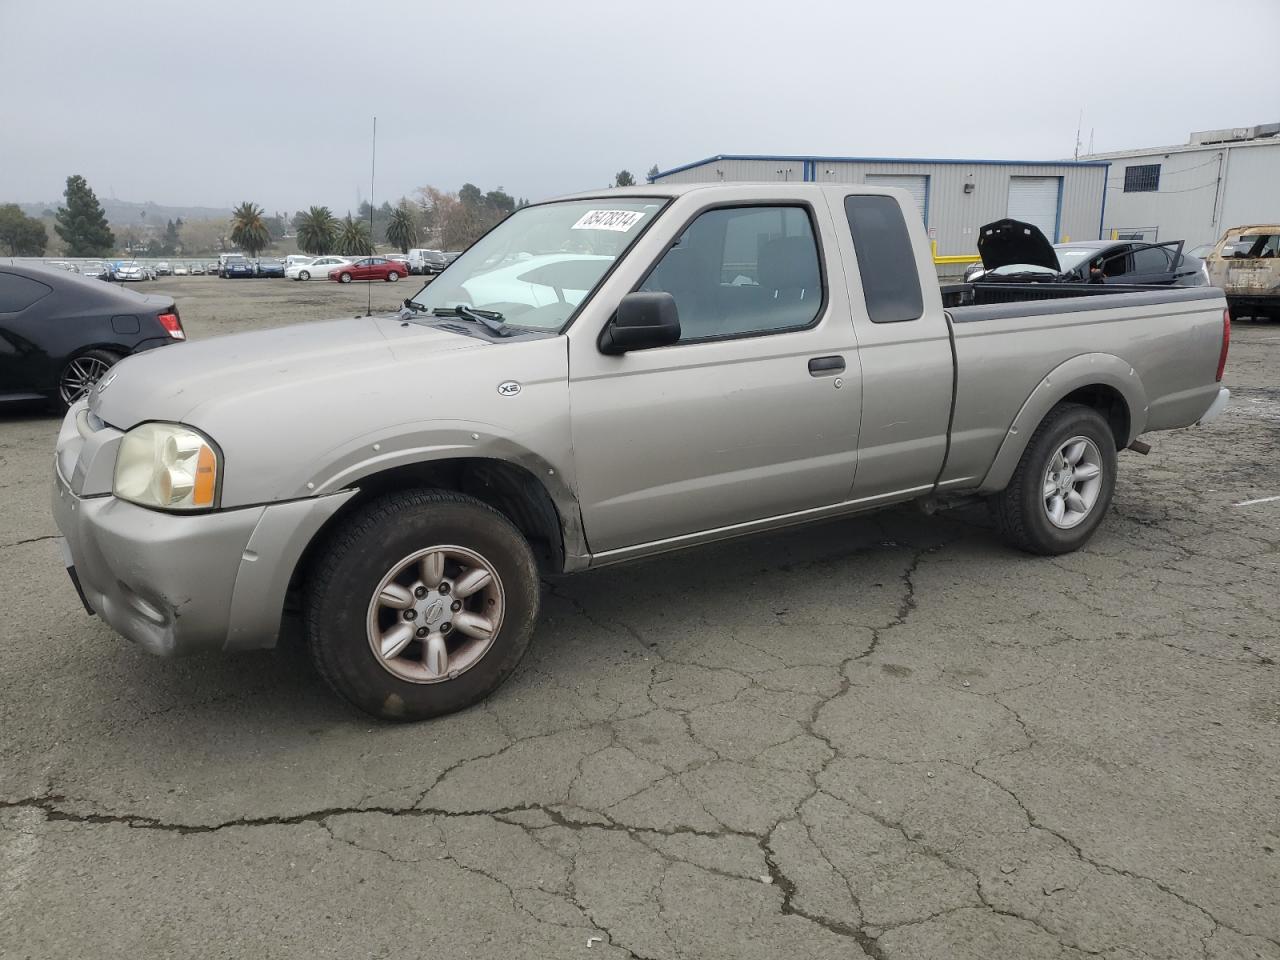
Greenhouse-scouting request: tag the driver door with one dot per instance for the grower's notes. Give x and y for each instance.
(752, 414)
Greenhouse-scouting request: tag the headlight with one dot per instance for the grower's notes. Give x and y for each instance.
(166, 466)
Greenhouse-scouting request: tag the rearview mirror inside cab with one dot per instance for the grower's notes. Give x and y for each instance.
(643, 320)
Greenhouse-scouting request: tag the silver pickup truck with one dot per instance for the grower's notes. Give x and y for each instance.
(600, 378)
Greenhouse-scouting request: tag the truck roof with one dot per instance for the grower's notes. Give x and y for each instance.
(790, 188)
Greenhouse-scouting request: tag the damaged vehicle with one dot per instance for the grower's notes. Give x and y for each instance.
(1246, 264)
(654, 368)
(1018, 252)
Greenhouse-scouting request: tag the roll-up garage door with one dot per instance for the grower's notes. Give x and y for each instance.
(916, 185)
(1035, 200)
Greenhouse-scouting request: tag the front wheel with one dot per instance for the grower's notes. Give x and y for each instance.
(82, 372)
(304, 275)
(421, 604)
(345, 277)
(392, 277)
(1063, 484)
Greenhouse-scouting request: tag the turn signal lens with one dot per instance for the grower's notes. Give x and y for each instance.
(166, 466)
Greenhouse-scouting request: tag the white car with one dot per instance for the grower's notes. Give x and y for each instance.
(132, 270)
(318, 268)
(180, 270)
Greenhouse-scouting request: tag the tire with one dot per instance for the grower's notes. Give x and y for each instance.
(80, 373)
(344, 277)
(304, 275)
(392, 277)
(345, 617)
(1024, 510)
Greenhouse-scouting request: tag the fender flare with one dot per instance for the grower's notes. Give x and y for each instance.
(345, 466)
(1085, 370)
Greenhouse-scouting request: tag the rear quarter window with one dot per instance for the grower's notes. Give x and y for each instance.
(886, 260)
(17, 293)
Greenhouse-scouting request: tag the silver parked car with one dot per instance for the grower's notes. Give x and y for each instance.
(599, 379)
(131, 270)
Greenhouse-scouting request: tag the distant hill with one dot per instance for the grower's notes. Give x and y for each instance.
(121, 213)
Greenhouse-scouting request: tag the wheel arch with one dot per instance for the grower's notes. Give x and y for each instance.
(553, 531)
(1104, 382)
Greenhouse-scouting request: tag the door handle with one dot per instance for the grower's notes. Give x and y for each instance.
(825, 366)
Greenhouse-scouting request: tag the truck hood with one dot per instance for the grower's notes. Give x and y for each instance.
(1007, 242)
(177, 382)
(305, 410)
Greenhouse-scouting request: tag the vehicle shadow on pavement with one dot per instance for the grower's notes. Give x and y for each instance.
(833, 575)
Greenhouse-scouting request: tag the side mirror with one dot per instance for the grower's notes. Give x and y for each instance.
(643, 320)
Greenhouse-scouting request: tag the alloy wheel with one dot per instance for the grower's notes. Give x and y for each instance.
(79, 377)
(1072, 482)
(435, 614)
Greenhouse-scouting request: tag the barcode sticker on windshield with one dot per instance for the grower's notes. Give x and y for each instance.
(619, 220)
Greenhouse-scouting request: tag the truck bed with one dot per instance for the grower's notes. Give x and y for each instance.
(1154, 346)
(980, 294)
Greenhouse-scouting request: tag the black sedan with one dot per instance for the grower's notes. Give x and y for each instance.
(1019, 252)
(59, 333)
(269, 268)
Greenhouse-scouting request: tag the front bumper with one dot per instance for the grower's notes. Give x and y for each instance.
(181, 583)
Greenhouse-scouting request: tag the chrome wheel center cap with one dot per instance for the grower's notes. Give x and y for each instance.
(432, 609)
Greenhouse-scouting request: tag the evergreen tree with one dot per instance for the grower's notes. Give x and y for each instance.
(623, 178)
(653, 172)
(170, 244)
(82, 223)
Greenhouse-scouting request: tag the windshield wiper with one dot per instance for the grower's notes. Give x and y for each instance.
(489, 319)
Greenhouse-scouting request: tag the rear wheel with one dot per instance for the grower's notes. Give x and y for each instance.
(82, 372)
(1063, 484)
(421, 604)
(393, 276)
(345, 277)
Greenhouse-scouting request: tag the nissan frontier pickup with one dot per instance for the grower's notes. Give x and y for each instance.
(600, 378)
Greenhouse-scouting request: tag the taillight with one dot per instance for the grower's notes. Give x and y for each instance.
(1226, 343)
(172, 324)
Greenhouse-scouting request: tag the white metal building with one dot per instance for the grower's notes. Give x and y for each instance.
(955, 197)
(1195, 192)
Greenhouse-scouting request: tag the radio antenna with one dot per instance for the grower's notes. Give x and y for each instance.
(373, 170)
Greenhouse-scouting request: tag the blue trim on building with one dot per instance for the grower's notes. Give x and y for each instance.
(928, 186)
(810, 171)
(1057, 214)
(821, 159)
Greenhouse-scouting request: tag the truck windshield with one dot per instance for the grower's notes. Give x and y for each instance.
(535, 267)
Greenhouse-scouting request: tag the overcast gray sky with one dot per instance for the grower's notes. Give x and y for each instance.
(216, 102)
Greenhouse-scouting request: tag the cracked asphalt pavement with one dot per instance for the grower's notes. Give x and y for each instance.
(891, 736)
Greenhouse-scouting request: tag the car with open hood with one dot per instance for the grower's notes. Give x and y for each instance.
(1019, 252)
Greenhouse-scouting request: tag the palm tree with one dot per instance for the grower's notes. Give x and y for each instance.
(317, 231)
(249, 229)
(402, 228)
(353, 238)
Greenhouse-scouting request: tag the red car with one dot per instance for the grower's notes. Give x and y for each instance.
(369, 268)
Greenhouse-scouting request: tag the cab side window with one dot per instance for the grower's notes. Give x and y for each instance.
(737, 271)
(886, 260)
